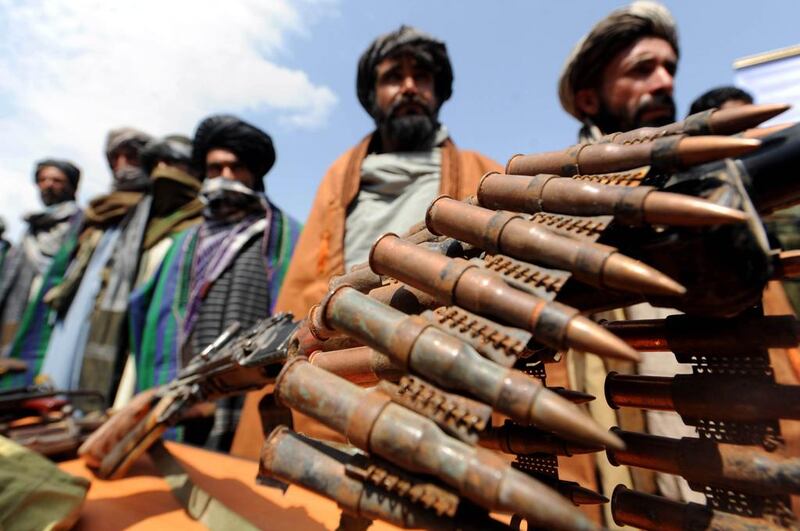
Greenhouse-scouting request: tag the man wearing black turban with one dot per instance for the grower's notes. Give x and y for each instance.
(384, 183)
(221, 138)
(57, 181)
(231, 265)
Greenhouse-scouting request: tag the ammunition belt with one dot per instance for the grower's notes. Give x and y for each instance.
(531, 277)
(577, 226)
(427, 495)
(418, 396)
(458, 322)
(626, 178)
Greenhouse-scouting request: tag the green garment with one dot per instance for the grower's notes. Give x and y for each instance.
(34, 493)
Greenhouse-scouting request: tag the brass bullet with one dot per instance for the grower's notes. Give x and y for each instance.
(664, 208)
(454, 280)
(694, 150)
(762, 132)
(736, 119)
(511, 234)
(666, 154)
(628, 204)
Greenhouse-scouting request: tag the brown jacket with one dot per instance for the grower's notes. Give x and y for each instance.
(320, 251)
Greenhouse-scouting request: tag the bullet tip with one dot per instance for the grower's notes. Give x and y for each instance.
(583, 334)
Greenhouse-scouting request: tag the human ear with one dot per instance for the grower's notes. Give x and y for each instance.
(587, 102)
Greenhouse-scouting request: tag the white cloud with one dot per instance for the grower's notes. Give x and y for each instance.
(70, 70)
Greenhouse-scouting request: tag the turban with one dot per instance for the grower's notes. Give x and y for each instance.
(608, 37)
(67, 168)
(252, 146)
(125, 136)
(405, 39)
(172, 148)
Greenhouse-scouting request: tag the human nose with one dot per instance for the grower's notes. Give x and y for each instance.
(409, 85)
(227, 173)
(662, 80)
(120, 161)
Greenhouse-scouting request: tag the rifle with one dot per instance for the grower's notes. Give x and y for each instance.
(47, 421)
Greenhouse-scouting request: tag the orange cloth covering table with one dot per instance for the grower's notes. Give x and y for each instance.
(142, 500)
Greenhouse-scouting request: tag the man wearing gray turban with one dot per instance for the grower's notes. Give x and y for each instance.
(620, 75)
(385, 182)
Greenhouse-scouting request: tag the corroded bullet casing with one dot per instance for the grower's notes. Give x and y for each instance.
(374, 424)
(704, 462)
(650, 512)
(665, 154)
(311, 464)
(457, 281)
(360, 365)
(360, 277)
(511, 234)
(414, 344)
(699, 396)
(630, 205)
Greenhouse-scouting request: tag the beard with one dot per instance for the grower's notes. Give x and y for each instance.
(411, 132)
(610, 121)
(52, 197)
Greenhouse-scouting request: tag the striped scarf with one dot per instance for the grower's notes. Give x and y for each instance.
(159, 308)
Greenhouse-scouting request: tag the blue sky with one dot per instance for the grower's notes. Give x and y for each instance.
(71, 70)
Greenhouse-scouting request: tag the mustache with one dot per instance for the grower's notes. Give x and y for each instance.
(651, 102)
(407, 100)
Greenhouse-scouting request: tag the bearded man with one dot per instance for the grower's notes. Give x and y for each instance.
(384, 183)
(27, 264)
(620, 75)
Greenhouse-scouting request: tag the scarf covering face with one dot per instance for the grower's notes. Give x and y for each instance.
(252, 146)
(404, 39)
(130, 178)
(176, 205)
(229, 201)
(618, 30)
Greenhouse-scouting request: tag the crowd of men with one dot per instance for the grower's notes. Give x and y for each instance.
(118, 296)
